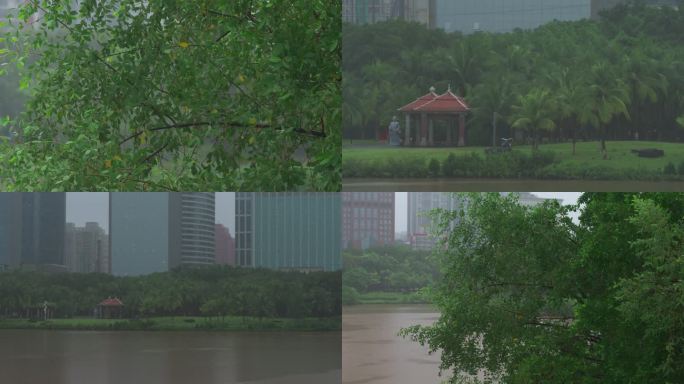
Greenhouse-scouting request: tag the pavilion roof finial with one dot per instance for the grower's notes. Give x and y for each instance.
(432, 89)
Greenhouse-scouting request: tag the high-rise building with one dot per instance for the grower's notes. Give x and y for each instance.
(373, 11)
(528, 199)
(86, 248)
(43, 222)
(421, 203)
(198, 243)
(225, 246)
(419, 222)
(469, 16)
(33, 226)
(156, 232)
(367, 219)
(289, 231)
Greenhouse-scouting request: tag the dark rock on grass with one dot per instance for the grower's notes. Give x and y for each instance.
(649, 152)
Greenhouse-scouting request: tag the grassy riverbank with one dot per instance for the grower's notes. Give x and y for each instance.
(551, 161)
(228, 323)
(386, 298)
(392, 298)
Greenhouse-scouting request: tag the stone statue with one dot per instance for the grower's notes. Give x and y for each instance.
(394, 128)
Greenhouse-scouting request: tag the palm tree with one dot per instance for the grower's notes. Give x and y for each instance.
(645, 84)
(568, 98)
(375, 83)
(606, 97)
(464, 65)
(490, 99)
(534, 113)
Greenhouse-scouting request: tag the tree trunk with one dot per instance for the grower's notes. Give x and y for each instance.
(603, 147)
(574, 139)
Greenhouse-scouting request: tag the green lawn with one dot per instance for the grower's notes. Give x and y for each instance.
(566, 165)
(180, 323)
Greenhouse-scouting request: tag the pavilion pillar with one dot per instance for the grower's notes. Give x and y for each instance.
(423, 129)
(407, 130)
(461, 130)
(449, 138)
(431, 132)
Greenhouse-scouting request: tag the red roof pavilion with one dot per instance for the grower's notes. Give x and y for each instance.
(419, 101)
(431, 102)
(115, 302)
(109, 308)
(433, 106)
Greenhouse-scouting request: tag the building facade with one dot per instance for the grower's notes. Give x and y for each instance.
(87, 248)
(421, 203)
(32, 230)
(43, 226)
(288, 231)
(468, 16)
(367, 219)
(419, 222)
(373, 11)
(225, 246)
(156, 232)
(197, 228)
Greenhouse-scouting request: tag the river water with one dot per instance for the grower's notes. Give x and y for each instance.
(509, 185)
(372, 353)
(85, 357)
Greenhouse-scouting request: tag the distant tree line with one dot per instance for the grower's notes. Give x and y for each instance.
(215, 291)
(620, 78)
(388, 269)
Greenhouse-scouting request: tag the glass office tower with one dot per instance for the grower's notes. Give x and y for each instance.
(288, 231)
(156, 232)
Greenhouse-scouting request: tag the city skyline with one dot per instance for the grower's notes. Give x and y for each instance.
(401, 205)
(83, 207)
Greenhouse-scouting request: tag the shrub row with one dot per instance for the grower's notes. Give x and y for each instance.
(514, 164)
(511, 165)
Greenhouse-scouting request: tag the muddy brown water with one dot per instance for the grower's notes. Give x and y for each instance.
(84, 357)
(373, 353)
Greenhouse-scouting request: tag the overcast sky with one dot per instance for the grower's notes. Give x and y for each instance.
(93, 206)
(401, 205)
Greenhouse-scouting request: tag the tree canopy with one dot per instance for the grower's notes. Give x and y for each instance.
(191, 292)
(388, 269)
(530, 295)
(617, 78)
(175, 95)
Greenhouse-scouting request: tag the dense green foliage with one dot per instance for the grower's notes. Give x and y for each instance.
(175, 95)
(211, 292)
(620, 78)
(531, 296)
(396, 269)
(510, 165)
(11, 100)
